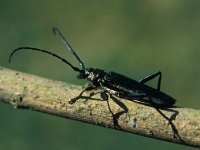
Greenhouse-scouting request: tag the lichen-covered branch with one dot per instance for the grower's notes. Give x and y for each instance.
(178, 125)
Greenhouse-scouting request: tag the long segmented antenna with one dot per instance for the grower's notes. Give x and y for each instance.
(44, 51)
(56, 30)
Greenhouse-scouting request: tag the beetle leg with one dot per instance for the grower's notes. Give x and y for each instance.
(104, 95)
(117, 115)
(89, 88)
(118, 102)
(152, 76)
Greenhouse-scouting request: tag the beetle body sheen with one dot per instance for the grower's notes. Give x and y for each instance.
(127, 88)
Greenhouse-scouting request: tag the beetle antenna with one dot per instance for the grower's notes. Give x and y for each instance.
(44, 51)
(55, 31)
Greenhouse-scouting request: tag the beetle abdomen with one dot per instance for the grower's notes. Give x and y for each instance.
(131, 89)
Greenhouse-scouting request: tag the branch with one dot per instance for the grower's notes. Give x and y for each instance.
(177, 125)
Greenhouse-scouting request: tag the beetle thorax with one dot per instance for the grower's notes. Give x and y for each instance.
(91, 76)
(95, 75)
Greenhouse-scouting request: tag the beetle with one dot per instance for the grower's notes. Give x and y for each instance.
(111, 82)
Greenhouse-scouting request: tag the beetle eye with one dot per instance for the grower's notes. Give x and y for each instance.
(82, 75)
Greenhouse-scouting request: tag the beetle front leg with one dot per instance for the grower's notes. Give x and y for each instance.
(152, 76)
(89, 88)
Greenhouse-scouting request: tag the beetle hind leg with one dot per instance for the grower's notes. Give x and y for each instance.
(152, 76)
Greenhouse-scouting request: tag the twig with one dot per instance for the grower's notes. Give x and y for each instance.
(177, 125)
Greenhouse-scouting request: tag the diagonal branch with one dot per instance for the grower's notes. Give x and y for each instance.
(177, 125)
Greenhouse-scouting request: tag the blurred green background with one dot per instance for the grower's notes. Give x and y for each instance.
(133, 38)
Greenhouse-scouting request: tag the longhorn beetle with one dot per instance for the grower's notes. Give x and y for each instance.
(112, 82)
